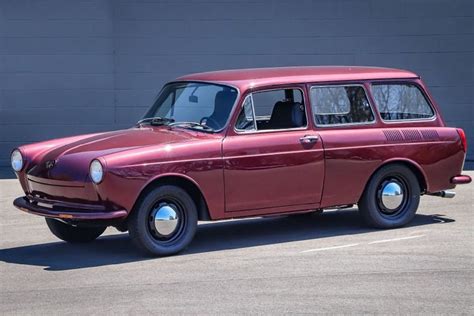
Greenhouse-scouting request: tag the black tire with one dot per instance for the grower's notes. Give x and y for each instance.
(371, 206)
(73, 234)
(144, 233)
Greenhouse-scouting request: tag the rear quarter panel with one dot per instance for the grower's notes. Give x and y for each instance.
(353, 155)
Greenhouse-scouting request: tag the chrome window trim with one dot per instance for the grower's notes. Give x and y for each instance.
(237, 130)
(240, 132)
(345, 124)
(429, 119)
(374, 121)
(256, 131)
(433, 118)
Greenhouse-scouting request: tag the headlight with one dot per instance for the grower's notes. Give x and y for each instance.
(17, 160)
(96, 171)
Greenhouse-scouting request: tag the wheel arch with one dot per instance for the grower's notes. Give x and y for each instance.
(183, 182)
(412, 165)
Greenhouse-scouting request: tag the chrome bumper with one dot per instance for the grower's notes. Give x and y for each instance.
(24, 204)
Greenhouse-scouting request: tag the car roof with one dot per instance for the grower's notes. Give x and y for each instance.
(258, 77)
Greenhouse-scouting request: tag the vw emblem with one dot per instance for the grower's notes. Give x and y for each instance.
(50, 164)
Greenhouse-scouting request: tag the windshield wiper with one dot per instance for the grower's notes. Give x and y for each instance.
(156, 121)
(194, 126)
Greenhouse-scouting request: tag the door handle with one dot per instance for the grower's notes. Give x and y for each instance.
(309, 139)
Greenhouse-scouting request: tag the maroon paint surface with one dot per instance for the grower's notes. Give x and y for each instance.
(251, 173)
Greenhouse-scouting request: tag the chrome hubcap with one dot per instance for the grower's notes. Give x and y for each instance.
(165, 220)
(392, 195)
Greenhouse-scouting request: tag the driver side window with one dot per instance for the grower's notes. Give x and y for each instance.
(272, 110)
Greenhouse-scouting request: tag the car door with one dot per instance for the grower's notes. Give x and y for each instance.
(347, 123)
(272, 158)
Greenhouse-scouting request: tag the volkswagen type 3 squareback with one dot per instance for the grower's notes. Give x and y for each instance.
(251, 142)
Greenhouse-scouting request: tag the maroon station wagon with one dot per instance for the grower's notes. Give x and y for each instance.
(251, 142)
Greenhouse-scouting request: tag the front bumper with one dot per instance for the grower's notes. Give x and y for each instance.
(66, 213)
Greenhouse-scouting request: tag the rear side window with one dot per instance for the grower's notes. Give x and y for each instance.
(401, 102)
(336, 105)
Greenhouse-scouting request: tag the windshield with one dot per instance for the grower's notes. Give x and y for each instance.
(202, 106)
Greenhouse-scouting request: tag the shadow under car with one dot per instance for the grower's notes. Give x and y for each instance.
(212, 236)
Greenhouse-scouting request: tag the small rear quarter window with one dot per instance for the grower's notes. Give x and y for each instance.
(401, 102)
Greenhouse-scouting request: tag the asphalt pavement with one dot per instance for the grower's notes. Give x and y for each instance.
(329, 263)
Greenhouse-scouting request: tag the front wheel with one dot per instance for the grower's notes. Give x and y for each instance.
(73, 234)
(164, 221)
(391, 197)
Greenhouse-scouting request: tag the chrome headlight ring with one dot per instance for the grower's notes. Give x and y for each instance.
(96, 171)
(17, 161)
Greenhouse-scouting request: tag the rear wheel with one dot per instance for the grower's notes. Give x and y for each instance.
(391, 197)
(164, 221)
(73, 234)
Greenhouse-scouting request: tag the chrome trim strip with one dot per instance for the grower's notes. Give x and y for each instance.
(433, 118)
(241, 132)
(346, 124)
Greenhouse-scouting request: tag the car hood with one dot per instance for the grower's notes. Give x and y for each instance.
(70, 161)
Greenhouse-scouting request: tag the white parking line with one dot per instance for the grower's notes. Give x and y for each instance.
(329, 248)
(370, 243)
(395, 239)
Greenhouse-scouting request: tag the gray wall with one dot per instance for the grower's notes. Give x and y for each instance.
(69, 67)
